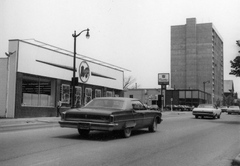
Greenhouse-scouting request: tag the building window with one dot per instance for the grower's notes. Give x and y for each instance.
(65, 93)
(188, 94)
(109, 94)
(195, 94)
(78, 97)
(182, 94)
(88, 95)
(130, 96)
(98, 93)
(38, 91)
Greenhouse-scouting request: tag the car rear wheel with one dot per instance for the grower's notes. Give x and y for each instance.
(153, 127)
(126, 132)
(219, 116)
(83, 133)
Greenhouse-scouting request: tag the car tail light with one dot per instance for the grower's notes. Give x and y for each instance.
(111, 118)
(63, 115)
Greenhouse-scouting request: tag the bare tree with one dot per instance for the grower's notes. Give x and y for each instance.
(128, 81)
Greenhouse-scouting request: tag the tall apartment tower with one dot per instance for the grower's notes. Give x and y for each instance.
(197, 58)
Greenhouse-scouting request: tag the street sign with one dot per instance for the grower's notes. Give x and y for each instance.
(163, 78)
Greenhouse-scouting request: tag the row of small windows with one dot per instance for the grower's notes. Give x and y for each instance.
(40, 92)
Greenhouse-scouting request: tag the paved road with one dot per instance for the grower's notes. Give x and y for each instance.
(181, 140)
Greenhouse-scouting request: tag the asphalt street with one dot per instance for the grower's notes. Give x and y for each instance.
(180, 140)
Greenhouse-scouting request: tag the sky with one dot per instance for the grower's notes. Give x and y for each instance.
(132, 34)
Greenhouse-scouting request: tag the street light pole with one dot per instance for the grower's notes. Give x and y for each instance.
(204, 88)
(74, 79)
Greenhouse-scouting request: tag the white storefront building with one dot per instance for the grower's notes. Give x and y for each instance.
(36, 75)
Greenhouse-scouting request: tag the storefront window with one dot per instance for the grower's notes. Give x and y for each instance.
(78, 97)
(65, 94)
(88, 95)
(181, 94)
(38, 91)
(109, 94)
(195, 94)
(188, 94)
(97, 93)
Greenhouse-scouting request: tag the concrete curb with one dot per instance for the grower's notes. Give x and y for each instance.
(7, 128)
(236, 161)
(28, 123)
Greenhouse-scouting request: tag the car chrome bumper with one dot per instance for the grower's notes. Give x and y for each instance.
(203, 113)
(88, 125)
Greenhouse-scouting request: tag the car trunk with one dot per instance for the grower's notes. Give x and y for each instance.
(90, 115)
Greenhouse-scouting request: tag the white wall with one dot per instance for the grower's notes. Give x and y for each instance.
(11, 82)
(29, 55)
(3, 87)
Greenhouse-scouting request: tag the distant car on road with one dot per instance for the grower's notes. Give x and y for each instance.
(154, 107)
(111, 114)
(233, 109)
(224, 108)
(208, 110)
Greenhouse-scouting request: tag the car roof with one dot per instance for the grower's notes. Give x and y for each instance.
(118, 98)
(126, 100)
(206, 104)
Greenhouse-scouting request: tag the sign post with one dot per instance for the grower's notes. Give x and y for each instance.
(163, 80)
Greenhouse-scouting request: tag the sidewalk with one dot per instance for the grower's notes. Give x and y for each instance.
(27, 123)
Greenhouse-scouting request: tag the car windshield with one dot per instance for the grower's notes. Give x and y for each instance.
(105, 103)
(205, 106)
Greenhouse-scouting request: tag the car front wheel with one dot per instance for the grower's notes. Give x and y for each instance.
(126, 132)
(153, 127)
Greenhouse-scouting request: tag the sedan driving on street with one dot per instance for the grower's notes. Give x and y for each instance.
(233, 109)
(111, 114)
(224, 108)
(208, 110)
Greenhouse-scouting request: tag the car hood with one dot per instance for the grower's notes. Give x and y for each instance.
(204, 109)
(233, 109)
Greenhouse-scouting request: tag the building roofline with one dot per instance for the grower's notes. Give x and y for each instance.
(69, 53)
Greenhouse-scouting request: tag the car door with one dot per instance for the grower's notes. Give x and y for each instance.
(138, 113)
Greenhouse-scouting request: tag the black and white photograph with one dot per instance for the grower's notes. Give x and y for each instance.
(119, 83)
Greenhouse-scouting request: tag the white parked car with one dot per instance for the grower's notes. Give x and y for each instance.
(233, 109)
(208, 110)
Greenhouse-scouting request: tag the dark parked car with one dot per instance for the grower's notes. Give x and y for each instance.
(111, 114)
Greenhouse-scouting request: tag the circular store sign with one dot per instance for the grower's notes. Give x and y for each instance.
(84, 71)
